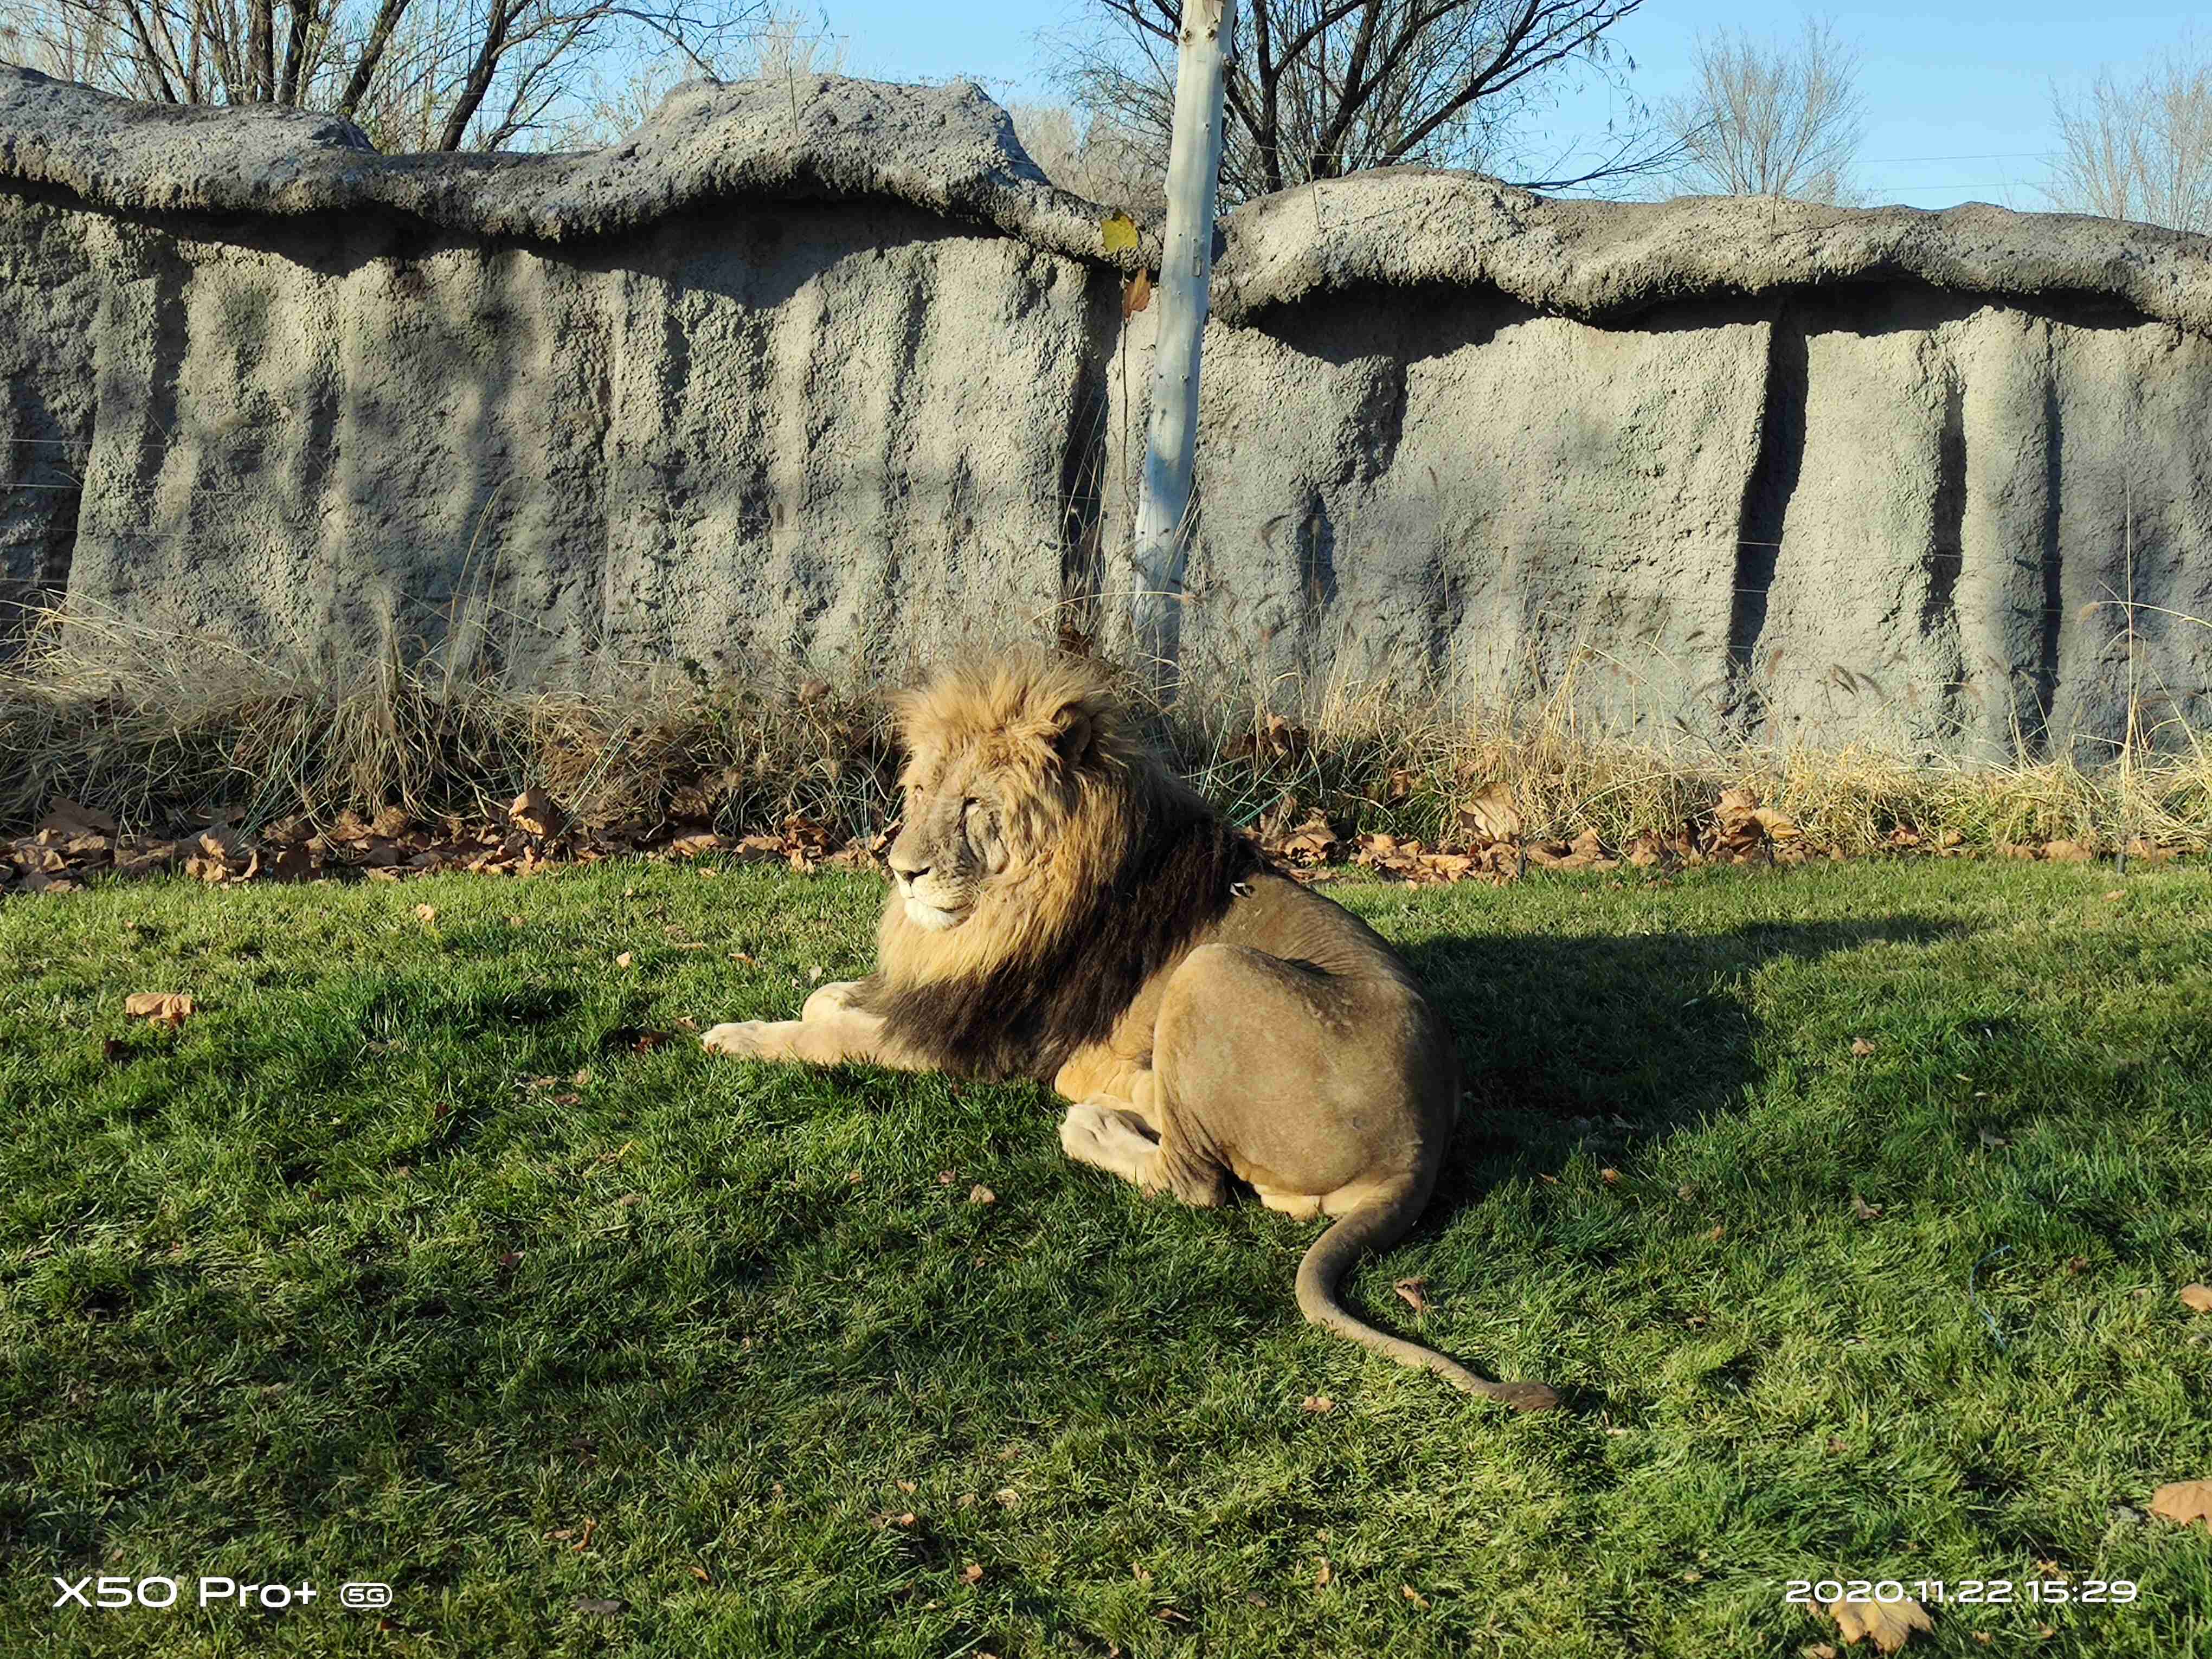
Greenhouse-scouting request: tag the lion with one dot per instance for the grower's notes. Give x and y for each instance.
(1064, 909)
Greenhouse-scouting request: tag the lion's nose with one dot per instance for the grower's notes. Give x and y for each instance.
(908, 876)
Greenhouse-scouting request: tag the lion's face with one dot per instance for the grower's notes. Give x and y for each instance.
(954, 845)
(1014, 811)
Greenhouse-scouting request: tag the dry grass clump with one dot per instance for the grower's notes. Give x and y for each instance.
(1384, 761)
(167, 730)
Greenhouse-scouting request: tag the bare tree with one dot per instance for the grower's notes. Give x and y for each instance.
(1770, 118)
(1321, 88)
(414, 74)
(2140, 150)
(787, 47)
(1099, 158)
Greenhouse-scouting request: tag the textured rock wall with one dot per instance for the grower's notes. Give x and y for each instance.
(829, 375)
(1887, 514)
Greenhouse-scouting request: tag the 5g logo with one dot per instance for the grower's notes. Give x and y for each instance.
(368, 1597)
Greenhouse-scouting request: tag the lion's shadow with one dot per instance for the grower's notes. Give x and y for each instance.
(1605, 1040)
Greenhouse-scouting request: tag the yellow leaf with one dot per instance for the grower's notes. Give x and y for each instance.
(1118, 231)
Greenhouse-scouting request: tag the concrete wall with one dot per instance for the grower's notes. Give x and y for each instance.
(836, 379)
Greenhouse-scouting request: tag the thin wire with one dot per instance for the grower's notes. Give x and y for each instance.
(1986, 155)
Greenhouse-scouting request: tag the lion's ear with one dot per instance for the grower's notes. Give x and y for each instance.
(1073, 730)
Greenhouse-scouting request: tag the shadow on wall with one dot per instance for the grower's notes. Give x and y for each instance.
(774, 435)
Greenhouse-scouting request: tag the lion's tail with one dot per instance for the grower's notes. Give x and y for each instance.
(1373, 1227)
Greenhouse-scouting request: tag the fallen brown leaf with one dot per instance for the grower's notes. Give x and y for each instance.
(972, 1573)
(1410, 1290)
(2185, 1501)
(1890, 1625)
(1317, 1403)
(1413, 1595)
(1864, 1210)
(979, 1193)
(531, 812)
(1491, 816)
(169, 1008)
(69, 818)
(2197, 1299)
(1780, 826)
(1861, 1047)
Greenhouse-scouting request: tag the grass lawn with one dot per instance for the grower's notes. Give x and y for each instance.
(354, 1277)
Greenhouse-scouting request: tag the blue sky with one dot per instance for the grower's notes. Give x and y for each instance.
(1958, 96)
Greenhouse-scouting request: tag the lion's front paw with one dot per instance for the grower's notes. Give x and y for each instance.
(1106, 1138)
(1079, 1133)
(751, 1039)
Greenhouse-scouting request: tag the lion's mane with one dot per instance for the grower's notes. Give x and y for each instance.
(1136, 868)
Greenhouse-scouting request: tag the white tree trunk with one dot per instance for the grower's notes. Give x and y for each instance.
(1186, 266)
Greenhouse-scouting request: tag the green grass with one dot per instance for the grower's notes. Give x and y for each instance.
(322, 1287)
